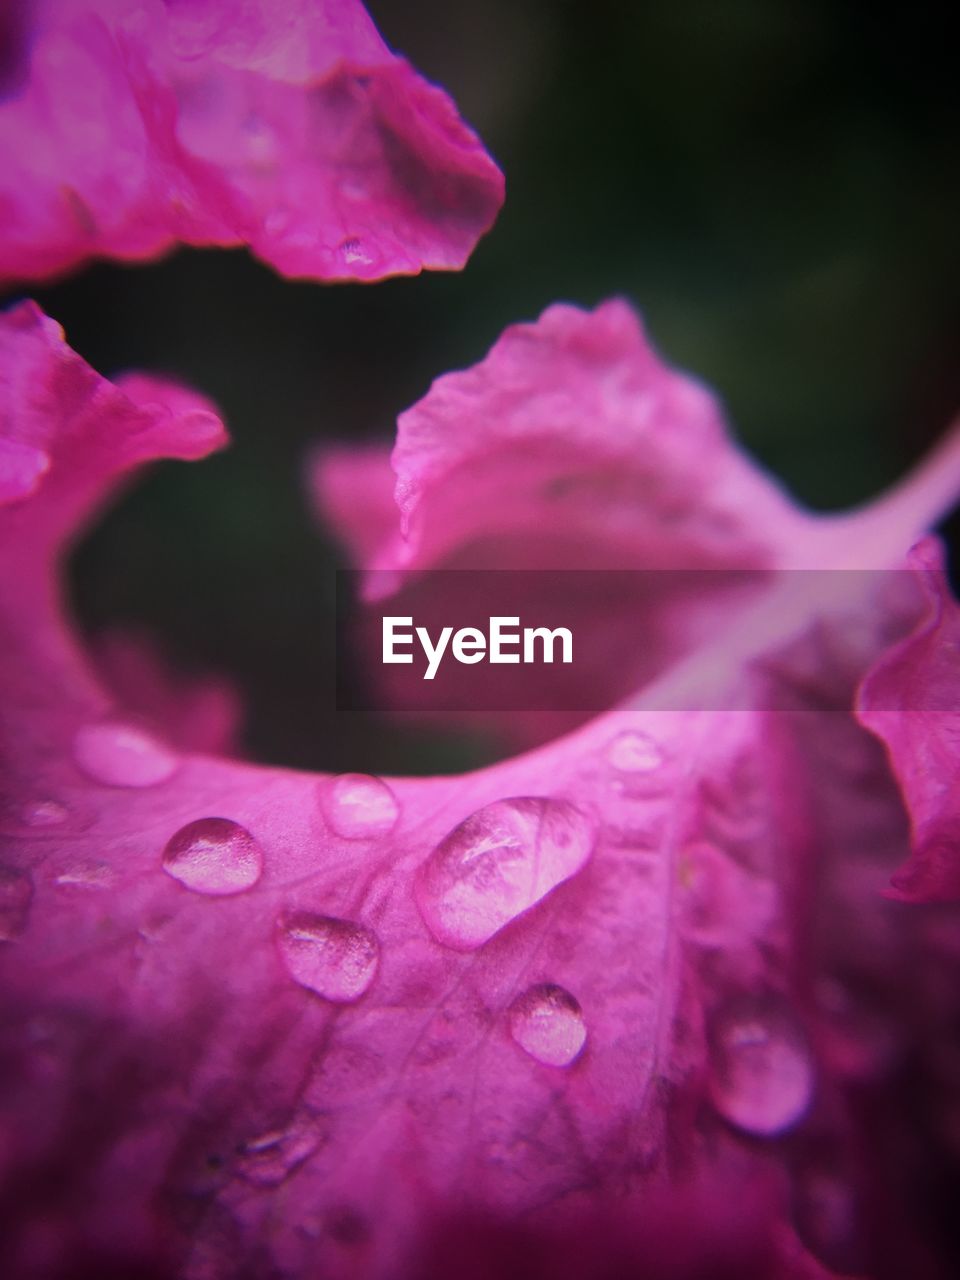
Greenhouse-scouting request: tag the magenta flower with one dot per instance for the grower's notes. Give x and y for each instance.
(632, 1003)
(137, 124)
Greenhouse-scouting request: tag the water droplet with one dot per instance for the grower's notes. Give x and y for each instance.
(261, 139)
(270, 1158)
(352, 251)
(214, 855)
(86, 875)
(762, 1073)
(826, 1216)
(634, 752)
(546, 1021)
(497, 864)
(358, 806)
(123, 755)
(277, 222)
(16, 895)
(45, 813)
(335, 958)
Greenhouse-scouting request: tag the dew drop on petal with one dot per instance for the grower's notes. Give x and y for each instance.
(497, 864)
(215, 856)
(44, 813)
(271, 1157)
(123, 755)
(16, 895)
(86, 875)
(337, 959)
(547, 1022)
(762, 1074)
(634, 752)
(826, 1216)
(352, 251)
(358, 806)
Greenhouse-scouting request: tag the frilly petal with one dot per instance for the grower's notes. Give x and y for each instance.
(141, 124)
(911, 700)
(574, 433)
(573, 446)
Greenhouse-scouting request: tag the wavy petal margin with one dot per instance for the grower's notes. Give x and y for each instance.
(140, 124)
(911, 700)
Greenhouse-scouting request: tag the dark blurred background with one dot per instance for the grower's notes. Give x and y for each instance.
(773, 183)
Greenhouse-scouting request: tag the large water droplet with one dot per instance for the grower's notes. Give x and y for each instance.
(214, 855)
(335, 958)
(634, 752)
(546, 1021)
(123, 755)
(358, 806)
(762, 1074)
(16, 895)
(497, 864)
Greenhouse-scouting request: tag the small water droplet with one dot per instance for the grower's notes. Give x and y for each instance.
(277, 222)
(270, 1158)
(547, 1022)
(44, 813)
(337, 959)
(87, 875)
(497, 864)
(261, 139)
(352, 251)
(634, 752)
(215, 856)
(826, 1216)
(123, 755)
(16, 895)
(762, 1074)
(359, 807)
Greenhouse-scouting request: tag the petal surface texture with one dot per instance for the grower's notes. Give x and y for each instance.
(258, 1023)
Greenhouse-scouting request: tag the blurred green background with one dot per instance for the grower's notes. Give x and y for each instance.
(773, 183)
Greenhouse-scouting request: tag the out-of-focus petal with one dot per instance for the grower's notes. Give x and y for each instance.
(573, 446)
(911, 699)
(195, 713)
(288, 127)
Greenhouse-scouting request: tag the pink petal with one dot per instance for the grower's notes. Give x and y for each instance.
(143, 124)
(572, 446)
(911, 700)
(196, 714)
(233, 1044)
